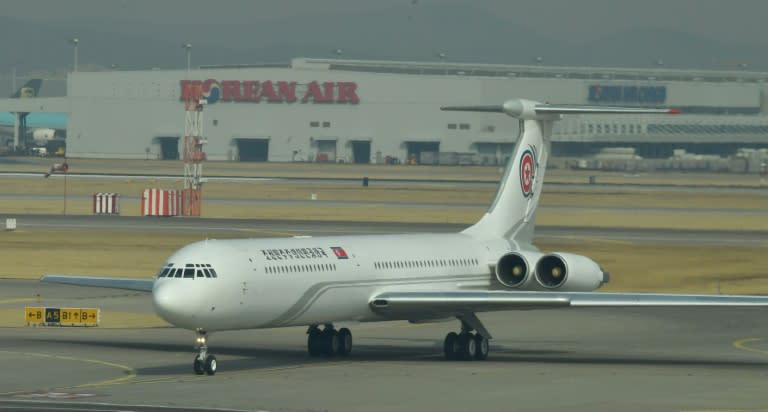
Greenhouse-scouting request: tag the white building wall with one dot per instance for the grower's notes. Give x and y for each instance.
(122, 114)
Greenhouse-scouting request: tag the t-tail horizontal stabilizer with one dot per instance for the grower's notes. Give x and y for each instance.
(529, 109)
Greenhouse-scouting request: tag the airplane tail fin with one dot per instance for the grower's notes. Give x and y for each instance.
(30, 89)
(512, 214)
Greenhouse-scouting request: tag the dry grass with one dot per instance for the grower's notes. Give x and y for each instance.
(29, 254)
(676, 268)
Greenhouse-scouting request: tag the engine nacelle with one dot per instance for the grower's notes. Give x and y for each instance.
(515, 269)
(569, 272)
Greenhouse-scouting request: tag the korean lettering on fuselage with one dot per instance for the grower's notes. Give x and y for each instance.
(295, 253)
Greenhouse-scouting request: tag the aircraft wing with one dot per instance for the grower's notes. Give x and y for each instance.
(415, 305)
(143, 285)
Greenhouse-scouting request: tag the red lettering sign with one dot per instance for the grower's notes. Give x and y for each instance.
(347, 93)
(287, 91)
(270, 91)
(313, 92)
(249, 87)
(230, 90)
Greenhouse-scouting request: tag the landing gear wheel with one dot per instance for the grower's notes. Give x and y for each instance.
(210, 365)
(314, 344)
(204, 363)
(451, 346)
(481, 347)
(198, 366)
(330, 342)
(467, 346)
(345, 342)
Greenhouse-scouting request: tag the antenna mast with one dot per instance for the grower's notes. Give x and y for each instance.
(193, 152)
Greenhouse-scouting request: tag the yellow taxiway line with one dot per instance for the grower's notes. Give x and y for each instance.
(742, 344)
(130, 372)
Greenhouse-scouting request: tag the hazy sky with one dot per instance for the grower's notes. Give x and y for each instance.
(681, 32)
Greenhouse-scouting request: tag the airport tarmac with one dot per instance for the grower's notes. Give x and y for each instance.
(578, 360)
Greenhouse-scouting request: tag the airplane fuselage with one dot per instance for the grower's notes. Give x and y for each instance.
(263, 283)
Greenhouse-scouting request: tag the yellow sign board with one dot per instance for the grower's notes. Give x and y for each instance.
(42, 316)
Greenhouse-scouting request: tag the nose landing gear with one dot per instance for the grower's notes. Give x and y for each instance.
(204, 363)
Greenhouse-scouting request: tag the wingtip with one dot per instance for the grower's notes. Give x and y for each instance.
(674, 111)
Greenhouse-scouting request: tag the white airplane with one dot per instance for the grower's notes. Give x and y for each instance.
(217, 285)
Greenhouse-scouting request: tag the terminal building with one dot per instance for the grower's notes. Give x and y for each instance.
(356, 111)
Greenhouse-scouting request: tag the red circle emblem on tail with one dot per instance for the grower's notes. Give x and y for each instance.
(527, 172)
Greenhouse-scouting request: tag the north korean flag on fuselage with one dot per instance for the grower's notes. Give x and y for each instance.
(339, 252)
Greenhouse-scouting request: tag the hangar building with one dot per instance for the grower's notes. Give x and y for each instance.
(358, 111)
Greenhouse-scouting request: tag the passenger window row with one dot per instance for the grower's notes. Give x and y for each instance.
(317, 267)
(189, 271)
(431, 263)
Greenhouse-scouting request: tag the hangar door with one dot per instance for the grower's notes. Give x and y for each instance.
(326, 150)
(361, 151)
(415, 149)
(169, 147)
(252, 150)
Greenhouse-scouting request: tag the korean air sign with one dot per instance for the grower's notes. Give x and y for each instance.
(627, 94)
(269, 91)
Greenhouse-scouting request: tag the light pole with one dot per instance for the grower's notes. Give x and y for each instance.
(74, 42)
(188, 48)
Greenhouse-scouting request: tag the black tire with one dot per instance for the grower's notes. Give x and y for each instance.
(481, 347)
(331, 342)
(345, 342)
(451, 346)
(210, 365)
(466, 346)
(198, 366)
(314, 343)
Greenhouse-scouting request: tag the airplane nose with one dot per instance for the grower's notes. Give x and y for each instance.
(170, 303)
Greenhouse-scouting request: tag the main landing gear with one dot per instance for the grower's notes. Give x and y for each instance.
(204, 363)
(329, 341)
(467, 345)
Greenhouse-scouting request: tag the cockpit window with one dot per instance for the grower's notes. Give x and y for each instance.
(187, 271)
